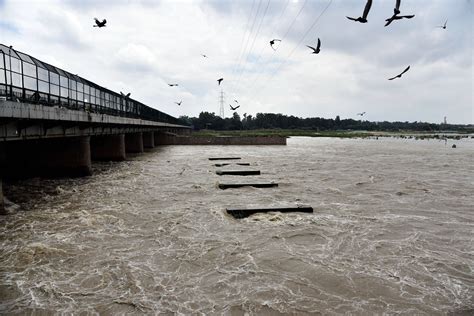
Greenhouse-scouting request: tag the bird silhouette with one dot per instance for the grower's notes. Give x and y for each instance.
(234, 108)
(363, 18)
(396, 16)
(219, 81)
(236, 101)
(179, 103)
(444, 26)
(100, 24)
(205, 56)
(272, 42)
(317, 49)
(125, 95)
(172, 84)
(400, 75)
(361, 114)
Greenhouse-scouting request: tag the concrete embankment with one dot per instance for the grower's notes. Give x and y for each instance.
(173, 139)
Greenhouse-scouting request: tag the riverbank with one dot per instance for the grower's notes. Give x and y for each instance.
(338, 134)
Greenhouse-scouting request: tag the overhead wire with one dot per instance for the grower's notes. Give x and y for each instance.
(285, 60)
(252, 45)
(246, 44)
(266, 44)
(262, 70)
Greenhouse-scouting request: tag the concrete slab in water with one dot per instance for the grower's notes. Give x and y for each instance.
(224, 158)
(226, 164)
(224, 186)
(238, 172)
(246, 212)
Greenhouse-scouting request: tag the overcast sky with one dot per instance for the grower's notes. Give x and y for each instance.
(148, 44)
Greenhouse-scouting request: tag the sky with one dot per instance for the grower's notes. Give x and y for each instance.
(147, 44)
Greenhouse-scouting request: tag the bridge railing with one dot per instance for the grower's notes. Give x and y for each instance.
(27, 79)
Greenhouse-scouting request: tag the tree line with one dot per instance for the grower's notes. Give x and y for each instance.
(209, 120)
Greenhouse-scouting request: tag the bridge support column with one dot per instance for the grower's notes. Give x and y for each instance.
(134, 142)
(2, 208)
(148, 139)
(109, 148)
(2, 165)
(68, 156)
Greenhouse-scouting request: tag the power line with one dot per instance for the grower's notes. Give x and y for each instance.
(272, 36)
(248, 38)
(262, 70)
(294, 49)
(253, 43)
(243, 38)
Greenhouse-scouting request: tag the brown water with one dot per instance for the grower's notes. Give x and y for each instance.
(392, 232)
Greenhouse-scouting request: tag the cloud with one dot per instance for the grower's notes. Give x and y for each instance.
(148, 43)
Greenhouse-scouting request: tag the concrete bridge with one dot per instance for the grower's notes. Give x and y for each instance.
(54, 123)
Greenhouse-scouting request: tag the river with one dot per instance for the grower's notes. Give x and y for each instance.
(392, 232)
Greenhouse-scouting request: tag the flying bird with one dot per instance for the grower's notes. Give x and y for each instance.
(397, 17)
(400, 75)
(205, 56)
(236, 101)
(317, 49)
(444, 26)
(272, 42)
(234, 108)
(179, 103)
(125, 95)
(100, 24)
(220, 80)
(172, 84)
(363, 18)
(361, 114)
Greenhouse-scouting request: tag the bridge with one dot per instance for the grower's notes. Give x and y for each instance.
(54, 123)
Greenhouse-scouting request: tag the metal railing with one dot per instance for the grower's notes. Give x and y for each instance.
(26, 79)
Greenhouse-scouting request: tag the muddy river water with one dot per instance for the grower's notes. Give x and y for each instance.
(392, 232)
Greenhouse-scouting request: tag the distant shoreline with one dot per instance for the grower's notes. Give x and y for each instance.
(338, 134)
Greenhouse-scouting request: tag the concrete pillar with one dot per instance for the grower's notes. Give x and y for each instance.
(148, 139)
(134, 142)
(2, 164)
(2, 209)
(108, 148)
(68, 156)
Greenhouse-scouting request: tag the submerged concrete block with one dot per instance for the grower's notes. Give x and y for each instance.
(246, 212)
(108, 147)
(226, 164)
(224, 158)
(224, 186)
(238, 172)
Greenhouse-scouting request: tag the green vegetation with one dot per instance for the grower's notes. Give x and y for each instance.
(279, 124)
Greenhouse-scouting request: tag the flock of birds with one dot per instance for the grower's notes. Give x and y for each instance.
(314, 50)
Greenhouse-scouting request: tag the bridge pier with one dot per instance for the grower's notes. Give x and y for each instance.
(2, 166)
(2, 208)
(148, 139)
(134, 142)
(108, 148)
(68, 156)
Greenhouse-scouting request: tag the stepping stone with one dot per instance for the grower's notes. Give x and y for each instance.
(246, 212)
(224, 186)
(224, 158)
(238, 172)
(238, 163)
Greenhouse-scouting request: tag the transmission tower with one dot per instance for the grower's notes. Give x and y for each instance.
(221, 104)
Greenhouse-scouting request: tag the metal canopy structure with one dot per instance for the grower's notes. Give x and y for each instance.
(27, 79)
